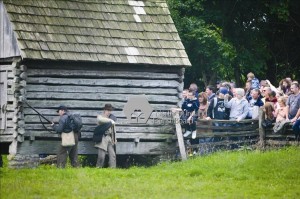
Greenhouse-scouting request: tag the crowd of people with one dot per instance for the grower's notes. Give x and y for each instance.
(224, 101)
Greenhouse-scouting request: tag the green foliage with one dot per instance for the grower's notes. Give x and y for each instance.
(243, 174)
(228, 39)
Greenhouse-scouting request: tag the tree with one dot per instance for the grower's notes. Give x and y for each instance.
(228, 39)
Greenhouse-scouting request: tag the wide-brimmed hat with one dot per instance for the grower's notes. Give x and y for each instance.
(108, 107)
(62, 107)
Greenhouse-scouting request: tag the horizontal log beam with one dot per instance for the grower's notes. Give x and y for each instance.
(89, 135)
(87, 147)
(105, 82)
(53, 104)
(98, 97)
(119, 129)
(227, 134)
(6, 138)
(100, 74)
(100, 89)
(29, 119)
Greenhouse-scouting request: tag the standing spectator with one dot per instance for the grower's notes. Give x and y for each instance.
(280, 114)
(203, 105)
(248, 90)
(64, 126)
(190, 113)
(254, 81)
(210, 92)
(254, 101)
(194, 88)
(293, 102)
(238, 105)
(229, 88)
(184, 96)
(217, 109)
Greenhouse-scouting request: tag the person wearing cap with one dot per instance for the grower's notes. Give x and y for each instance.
(64, 126)
(238, 105)
(216, 109)
(106, 130)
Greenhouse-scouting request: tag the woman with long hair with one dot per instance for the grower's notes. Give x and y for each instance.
(203, 100)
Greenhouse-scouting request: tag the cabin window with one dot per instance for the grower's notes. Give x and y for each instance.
(3, 99)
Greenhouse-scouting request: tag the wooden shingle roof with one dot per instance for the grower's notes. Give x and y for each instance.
(115, 31)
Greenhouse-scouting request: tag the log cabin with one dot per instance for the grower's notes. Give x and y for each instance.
(84, 54)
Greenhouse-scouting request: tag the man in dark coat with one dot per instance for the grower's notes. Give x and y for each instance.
(64, 126)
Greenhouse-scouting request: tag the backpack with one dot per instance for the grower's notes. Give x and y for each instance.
(75, 122)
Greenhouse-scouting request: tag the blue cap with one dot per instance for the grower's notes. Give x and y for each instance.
(223, 90)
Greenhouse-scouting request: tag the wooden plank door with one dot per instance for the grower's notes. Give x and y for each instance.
(3, 99)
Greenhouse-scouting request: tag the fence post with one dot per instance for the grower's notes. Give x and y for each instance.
(179, 134)
(262, 133)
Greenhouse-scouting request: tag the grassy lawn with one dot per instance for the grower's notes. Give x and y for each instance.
(243, 174)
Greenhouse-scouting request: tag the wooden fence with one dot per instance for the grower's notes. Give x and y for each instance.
(227, 132)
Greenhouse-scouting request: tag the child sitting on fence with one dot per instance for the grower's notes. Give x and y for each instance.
(280, 114)
(190, 114)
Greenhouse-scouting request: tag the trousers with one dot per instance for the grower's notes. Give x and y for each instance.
(111, 156)
(71, 151)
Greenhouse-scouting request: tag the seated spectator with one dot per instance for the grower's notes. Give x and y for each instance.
(254, 101)
(272, 98)
(190, 114)
(296, 125)
(293, 102)
(269, 116)
(265, 93)
(248, 90)
(285, 87)
(254, 81)
(216, 109)
(280, 114)
(262, 85)
(210, 92)
(238, 105)
(203, 105)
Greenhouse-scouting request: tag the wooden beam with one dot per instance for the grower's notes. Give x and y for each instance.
(179, 135)
(89, 104)
(6, 138)
(101, 74)
(87, 147)
(99, 96)
(120, 129)
(89, 135)
(100, 89)
(105, 82)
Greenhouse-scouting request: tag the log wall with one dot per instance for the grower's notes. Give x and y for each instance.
(87, 89)
(7, 101)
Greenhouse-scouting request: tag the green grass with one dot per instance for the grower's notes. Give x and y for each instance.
(254, 174)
